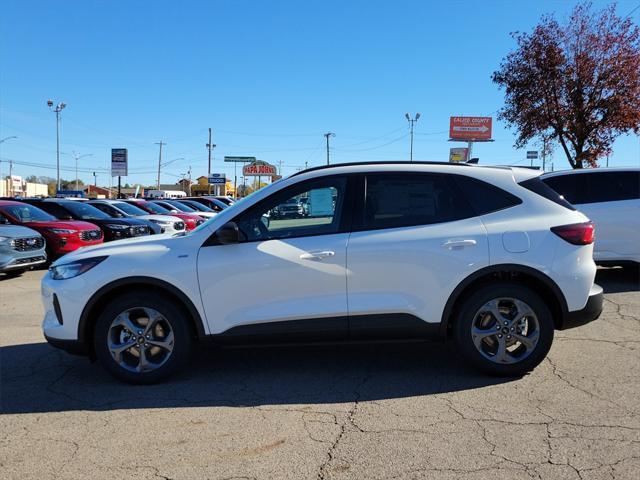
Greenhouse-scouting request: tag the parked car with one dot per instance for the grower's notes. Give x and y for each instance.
(191, 221)
(225, 199)
(174, 205)
(212, 202)
(112, 228)
(61, 236)
(20, 249)
(156, 223)
(610, 197)
(290, 208)
(405, 251)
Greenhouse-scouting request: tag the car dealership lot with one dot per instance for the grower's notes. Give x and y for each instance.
(366, 411)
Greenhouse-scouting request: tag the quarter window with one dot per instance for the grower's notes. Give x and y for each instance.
(313, 208)
(401, 200)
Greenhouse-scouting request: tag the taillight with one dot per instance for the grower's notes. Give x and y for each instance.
(576, 233)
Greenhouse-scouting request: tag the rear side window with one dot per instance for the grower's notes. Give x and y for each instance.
(541, 188)
(612, 186)
(483, 197)
(401, 200)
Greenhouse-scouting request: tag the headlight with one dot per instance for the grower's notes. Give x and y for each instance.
(116, 226)
(73, 269)
(62, 231)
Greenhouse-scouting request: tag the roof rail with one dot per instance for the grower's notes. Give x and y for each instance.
(390, 162)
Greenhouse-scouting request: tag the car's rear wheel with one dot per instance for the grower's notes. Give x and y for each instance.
(142, 338)
(504, 329)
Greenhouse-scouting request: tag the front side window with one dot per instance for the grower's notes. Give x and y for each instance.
(404, 200)
(283, 216)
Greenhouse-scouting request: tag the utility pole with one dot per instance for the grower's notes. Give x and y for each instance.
(57, 111)
(77, 156)
(327, 135)
(10, 178)
(95, 179)
(161, 143)
(2, 141)
(210, 146)
(411, 121)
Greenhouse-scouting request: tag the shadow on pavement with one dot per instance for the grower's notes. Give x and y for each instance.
(38, 378)
(619, 280)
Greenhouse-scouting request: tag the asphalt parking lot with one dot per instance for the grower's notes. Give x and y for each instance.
(374, 411)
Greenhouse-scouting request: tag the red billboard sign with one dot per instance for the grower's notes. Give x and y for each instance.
(259, 169)
(470, 128)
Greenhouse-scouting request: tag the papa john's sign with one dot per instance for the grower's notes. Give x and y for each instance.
(470, 128)
(259, 169)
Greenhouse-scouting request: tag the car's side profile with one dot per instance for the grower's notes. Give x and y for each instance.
(489, 257)
(610, 197)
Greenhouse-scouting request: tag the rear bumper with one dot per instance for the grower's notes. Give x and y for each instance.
(590, 312)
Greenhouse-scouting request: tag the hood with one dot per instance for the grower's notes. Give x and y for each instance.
(136, 245)
(67, 224)
(16, 231)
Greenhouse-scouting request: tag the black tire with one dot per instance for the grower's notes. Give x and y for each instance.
(183, 337)
(15, 273)
(464, 320)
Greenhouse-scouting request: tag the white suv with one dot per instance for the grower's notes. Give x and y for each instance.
(489, 257)
(611, 199)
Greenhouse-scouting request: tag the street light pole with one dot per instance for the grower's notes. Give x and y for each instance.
(58, 108)
(78, 157)
(327, 135)
(411, 121)
(2, 141)
(161, 143)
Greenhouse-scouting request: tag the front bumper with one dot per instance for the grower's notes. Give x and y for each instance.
(590, 312)
(23, 262)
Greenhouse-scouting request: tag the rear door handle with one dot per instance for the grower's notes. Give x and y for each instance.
(457, 244)
(317, 255)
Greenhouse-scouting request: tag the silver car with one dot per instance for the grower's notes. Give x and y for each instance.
(20, 249)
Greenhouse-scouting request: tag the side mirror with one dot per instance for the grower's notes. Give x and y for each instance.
(228, 233)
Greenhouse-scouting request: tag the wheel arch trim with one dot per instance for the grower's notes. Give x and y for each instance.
(501, 268)
(140, 281)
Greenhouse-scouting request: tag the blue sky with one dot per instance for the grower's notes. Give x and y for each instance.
(269, 77)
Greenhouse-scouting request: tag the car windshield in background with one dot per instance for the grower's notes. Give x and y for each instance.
(85, 212)
(130, 209)
(155, 208)
(197, 206)
(181, 206)
(27, 213)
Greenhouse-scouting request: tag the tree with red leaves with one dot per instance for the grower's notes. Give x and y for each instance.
(577, 84)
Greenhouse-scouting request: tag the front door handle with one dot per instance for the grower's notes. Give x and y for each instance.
(317, 255)
(456, 244)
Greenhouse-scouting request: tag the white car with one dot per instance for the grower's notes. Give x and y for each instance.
(167, 223)
(487, 256)
(610, 197)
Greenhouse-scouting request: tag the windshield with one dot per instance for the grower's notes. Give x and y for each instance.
(181, 206)
(84, 211)
(27, 213)
(197, 206)
(155, 208)
(130, 209)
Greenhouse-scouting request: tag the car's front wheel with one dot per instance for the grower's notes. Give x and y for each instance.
(504, 329)
(142, 338)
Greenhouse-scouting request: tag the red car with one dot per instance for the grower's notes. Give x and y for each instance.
(62, 236)
(191, 220)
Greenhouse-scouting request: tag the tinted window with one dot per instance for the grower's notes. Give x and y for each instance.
(85, 211)
(54, 209)
(282, 216)
(155, 208)
(108, 209)
(483, 197)
(612, 186)
(536, 185)
(401, 200)
(573, 188)
(130, 209)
